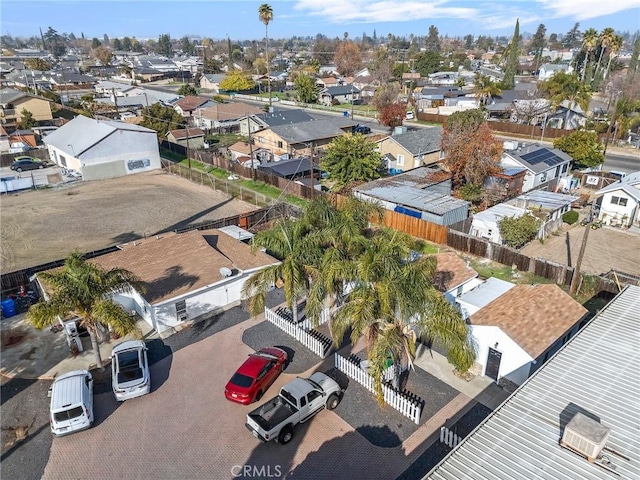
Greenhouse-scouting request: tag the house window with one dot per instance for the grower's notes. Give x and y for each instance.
(619, 201)
(400, 159)
(565, 167)
(557, 171)
(543, 177)
(181, 310)
(63, 161)
(459, 290)
(260, 139)
(279, 144)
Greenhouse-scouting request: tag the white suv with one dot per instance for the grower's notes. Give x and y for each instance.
(130, 370)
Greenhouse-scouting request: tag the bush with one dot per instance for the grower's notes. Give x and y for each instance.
(570, 217)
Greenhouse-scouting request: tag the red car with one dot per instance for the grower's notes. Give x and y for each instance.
(256, 375)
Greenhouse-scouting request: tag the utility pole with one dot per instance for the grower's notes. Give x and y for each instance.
(575, 280)
(253, 167)
(186, 129)
(313, 177)
(351, 101)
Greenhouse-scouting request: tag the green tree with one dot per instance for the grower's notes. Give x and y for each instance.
(83, 290)
(187, 46)
(117, 44)
(26, 120)
(572, 38)
(352, 158)
(306, 89)
(471, 192)
(236, 81)
(39, 64)
(164, 45)
(538, 42)
(103, 55)
(432, 42)
(565, 86)
(607, 36)
(95, 43)
(427, 63)
(583, 147)
(161, 119)
(508, 81)
(292, 243)
(517, 231)
(485, 89)
(187, 89)
(126, 44)
(55, 43)
(589, 42)
(265, 14)
(633, 62)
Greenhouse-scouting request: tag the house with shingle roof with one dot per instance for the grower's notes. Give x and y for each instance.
(187, 276)
(521, 329)
(620, 202)
(13, 102)
(545, 166)
(409, 150)
(187, 137)
(339, 94)
(224, 115)
(454, 276)
(188, 105)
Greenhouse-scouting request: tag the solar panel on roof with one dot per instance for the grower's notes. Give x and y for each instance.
(541, 156)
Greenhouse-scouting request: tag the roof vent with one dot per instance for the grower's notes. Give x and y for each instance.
(585, 436)
(226, 272)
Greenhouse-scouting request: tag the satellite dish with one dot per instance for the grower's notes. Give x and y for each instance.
(226, 272)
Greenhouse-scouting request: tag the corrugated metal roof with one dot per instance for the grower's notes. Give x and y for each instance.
(486, 292)
(598, 371)
(498, 212)
(414, 197)
(542, 199)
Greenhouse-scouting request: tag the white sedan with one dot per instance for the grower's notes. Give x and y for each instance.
(130, 370)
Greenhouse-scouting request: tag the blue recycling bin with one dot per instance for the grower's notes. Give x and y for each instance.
(345, 113)
(8, 307)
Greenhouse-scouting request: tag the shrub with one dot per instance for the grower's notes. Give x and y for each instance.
(570, 217)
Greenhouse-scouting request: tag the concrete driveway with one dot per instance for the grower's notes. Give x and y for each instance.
(186, 429)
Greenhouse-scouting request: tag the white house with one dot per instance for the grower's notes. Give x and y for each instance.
(486, 292)
(545, 165)
(519, 330)
(454, 276)
(620, 202)
(103, 149)
(485, 223)
(548, 70)
(187, 276)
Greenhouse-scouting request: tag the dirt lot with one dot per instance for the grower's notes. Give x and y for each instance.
(45, 225)
(607, 249)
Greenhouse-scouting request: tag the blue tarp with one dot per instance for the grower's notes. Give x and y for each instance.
(406, 211)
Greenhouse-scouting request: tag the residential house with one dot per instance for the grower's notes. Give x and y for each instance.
(595, 375)
(409, 150)
(189, 64)
(187, 276)
(296, 168)
(326, 82)
(147, 74)
(100, 149)
(187, 106)
(269, 119)
(619, 202)
(188, 137)
(454, 276)
(13, 102)
(471, 301)
(28, 137)
(504, 184)
(548, 70)
(545, 166)
(225, 116)
(521, 329)
(420, 193)
(339, 94)
(4, 140)
(211, 81)
(108, 88)
(485, 224)
(443, 78)
(568, 116)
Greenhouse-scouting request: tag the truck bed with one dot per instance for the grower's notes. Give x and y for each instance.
(272, 413)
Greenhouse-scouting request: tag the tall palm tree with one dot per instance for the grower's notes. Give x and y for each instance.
(614, 48)
(82, 289)
(392, 302)
(606, 37)
(265, 13)
(294, 244)
(485, 89)
(564, 86)
(589, 42)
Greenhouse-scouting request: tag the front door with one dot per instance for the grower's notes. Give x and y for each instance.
(493, 364)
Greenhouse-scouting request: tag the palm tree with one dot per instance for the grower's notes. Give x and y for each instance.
(485, 89)
(589, 42)
(392, 302)
(265, 13)
(82, 289)
(606, 37)
(294, 243)
(614, 47)
(564, 86)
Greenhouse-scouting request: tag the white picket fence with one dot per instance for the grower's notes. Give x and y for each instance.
(300, 334)
(397, 400)
(449, 438)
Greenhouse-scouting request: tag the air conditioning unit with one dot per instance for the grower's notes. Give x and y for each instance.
(585, 436)
(183, 317)
(226, 272)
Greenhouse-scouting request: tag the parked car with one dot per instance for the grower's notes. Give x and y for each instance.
(255, 375)
(298, 401)
(409, 115)
(21, 164)
(130, 370)
(363, 129)
(71, 407)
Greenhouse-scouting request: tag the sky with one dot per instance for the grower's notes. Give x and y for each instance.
(239, 20)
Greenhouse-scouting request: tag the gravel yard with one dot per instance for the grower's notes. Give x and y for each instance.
(40, 226)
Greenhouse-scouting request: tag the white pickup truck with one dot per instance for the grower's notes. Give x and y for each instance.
(298, 401)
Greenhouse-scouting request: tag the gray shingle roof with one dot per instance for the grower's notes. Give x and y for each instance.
(282, 117)
(598, 371)
(424, 140)
(308, 131)
(341, 90)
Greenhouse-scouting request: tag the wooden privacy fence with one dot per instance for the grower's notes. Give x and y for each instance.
(449, 438)
(415, 227)
(405, 402)
(312, 339)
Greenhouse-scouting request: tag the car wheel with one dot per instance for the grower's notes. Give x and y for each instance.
(259, 395)
(286, 435)
(333, 401)
(40, 166)
(18, 169)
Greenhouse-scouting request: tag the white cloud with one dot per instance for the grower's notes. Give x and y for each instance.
(363, 11)
(586, 9)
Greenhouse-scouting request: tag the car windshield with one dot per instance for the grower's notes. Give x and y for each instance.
(68, 414)
(241, 380)
(289, 398)
(129, 366)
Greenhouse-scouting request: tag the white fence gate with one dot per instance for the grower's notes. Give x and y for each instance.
(313, 343)
(449, 438)
(409, 407)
